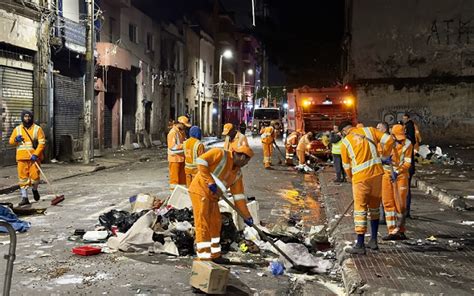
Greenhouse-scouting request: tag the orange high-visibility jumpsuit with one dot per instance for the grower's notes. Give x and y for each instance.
(290, 146)
(193, 148)
(28, 173)
(268, 137)
(207, 217)
(176, 157)
(302, 148)
(362, 163)
(239, 140)
(395, 206)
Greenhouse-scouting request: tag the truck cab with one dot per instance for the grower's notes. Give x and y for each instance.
(318, 110)
(262, 116)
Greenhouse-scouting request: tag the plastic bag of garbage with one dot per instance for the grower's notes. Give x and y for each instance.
(424, 151)
(184, 242)
(122, 219)
(180, 215)
(229, 233)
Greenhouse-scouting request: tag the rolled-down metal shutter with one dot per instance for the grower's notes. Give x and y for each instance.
(16, 91)
(68, 108)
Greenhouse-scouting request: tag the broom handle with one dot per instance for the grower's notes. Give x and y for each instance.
(42, 173)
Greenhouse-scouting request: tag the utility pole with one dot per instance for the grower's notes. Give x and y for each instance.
(88, 147)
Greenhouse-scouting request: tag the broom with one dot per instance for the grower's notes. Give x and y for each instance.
(57, 198)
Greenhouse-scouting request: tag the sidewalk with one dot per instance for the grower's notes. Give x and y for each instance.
(59, 171)
(414, 266)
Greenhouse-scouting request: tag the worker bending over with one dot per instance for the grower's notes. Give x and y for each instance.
(303, 147)
(290, 146)
(224, 165)
(395, 183)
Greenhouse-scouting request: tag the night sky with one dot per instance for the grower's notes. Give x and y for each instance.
(303, 38)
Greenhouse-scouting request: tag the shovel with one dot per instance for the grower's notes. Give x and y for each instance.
(323, 236)
(222, 194)
(57, 198)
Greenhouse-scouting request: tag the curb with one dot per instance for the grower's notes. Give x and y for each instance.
(350, 276)
(452, 201)
(10, 189)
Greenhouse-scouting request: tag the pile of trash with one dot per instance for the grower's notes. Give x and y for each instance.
(168, 228)
(304, 168)
(434, 154)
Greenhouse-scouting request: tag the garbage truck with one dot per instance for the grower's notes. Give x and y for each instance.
(318, 110)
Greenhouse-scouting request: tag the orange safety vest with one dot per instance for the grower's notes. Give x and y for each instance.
(359, 153)
(22, 149)
(268, 135)
(401, 158)
(238, 141)
(219, 162)
(175, 142)
(193, 148)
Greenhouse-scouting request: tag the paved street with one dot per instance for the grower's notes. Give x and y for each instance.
(45, 264)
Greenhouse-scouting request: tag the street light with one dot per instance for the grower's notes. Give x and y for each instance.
(250, 73)
(228, 55)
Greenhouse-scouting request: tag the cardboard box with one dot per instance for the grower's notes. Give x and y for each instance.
(141, 202)
(209, 277)
(180, 198)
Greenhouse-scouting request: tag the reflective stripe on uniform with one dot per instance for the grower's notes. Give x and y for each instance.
(204, 255)
(215, 250)
(203, 245)
(221, 166)
(201, 161)
(365, 165)
(239, 197)
(373, 148)
(348, 145)
(195, 152)
(215, 240)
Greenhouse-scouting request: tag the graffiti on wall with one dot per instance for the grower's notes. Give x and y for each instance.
(450, 31)
(393, 114)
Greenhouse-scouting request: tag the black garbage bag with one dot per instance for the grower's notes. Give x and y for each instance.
(122, 219)
(180, 215)
(184, 242)
(229, 233)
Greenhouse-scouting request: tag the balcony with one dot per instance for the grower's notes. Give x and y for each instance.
(111, 54)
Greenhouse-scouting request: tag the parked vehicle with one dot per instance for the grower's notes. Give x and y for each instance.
(262, 116)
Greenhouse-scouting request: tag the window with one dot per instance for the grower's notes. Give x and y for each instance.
(112, 24)
(150, 42)
(133, 33)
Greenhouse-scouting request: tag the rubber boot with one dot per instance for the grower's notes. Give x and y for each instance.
(36, 194)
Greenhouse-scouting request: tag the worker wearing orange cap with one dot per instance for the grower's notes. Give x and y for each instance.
(193, 148)
(290, 146)
(362, 163)
(395, 183)
(268, 136)
(225, 166)
(175, 139)
(233, 137)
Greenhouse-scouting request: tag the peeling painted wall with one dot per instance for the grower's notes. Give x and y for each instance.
(408, 38)
(444, 113)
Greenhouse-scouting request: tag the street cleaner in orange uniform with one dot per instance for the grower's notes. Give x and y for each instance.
(193, 148)
(290, 146)
(395, 183)
(175, 140)
(233, 137)
(363, 165)
(302, 148)
(224, 165)
(30, 141)
(268, 137)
